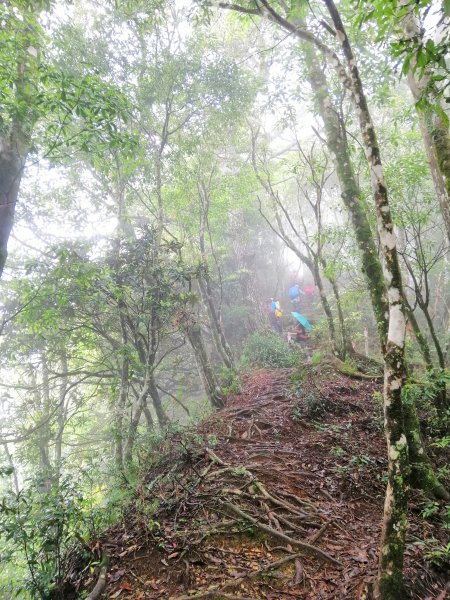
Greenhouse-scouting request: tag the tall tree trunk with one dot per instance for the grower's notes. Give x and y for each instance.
(204, 281)
(44, 434)
(429, 320)
(313, 267)
(220, 341)
(337, 144)
(132, 430)
(390, 575)
(346, 346)
(148, 416)
(148, 389)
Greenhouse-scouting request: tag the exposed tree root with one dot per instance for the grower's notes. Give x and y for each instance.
(342, 368)
(219, 591)
(308, 548)
(100, 586)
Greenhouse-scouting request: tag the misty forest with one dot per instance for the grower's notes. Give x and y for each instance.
(224, 326)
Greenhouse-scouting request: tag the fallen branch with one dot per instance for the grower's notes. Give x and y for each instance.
(321, 531)
(308, 548)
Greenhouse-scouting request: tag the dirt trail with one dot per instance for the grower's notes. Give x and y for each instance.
(277, 496)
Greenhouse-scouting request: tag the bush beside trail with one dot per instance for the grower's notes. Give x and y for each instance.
(268, 350)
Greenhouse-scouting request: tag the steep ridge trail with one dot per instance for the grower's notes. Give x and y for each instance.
(279, 495)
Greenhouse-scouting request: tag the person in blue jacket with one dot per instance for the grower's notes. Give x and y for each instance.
(294, 295)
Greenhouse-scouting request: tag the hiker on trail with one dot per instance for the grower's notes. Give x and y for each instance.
(275, 315)
(294, 294)
(300, 336)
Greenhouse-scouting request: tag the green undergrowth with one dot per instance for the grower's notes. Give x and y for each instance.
(46, 530)
(267, 350)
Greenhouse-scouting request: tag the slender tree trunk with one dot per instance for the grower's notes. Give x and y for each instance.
(421, 339)
(163, 419)
(429, 320)
(120, 406)
(346, 346)
(220, 341)
(62, 413)
(148, 416)
(148, 389)
(206, 371)
(44, 435)
(132, 429)
(325, 305)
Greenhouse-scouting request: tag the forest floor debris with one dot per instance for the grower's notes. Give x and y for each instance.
(277, 496)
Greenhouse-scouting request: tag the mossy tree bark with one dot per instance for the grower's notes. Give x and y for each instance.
(337, 144)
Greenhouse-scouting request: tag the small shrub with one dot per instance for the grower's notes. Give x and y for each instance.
(360, 461)
(43, 527)
(229, 381)
(337, 451)
(443, 442)
(312, 405)
(430, 509)
(267, 350)
(316, 358)
(439, 556)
